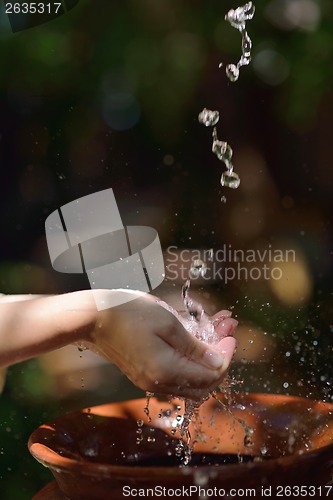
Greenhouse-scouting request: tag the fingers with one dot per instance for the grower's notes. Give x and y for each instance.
(197, 368)
(178, 363)
(224, 324)
(224, 327)
(222, 314)
(196, 382)
(226, 347)
(186, 377)
(190, 347)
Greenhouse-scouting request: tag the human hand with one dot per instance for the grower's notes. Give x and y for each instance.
(148, 343)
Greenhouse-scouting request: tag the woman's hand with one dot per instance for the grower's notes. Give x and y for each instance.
(148, 343)
(144, 338)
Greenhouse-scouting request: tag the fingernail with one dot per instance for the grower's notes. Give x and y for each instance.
(226, 327)
(225, 314)
(232, 323)
(213, 359)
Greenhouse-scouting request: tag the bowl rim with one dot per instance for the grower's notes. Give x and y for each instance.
(54, 461)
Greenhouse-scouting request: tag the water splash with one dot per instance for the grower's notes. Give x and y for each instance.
(238, 18)
(230, 179)
(139, 431)
(232, 72)
(222, 150)
(149, 395)
(224, 153)
(225, 388)
(195, 319)
(193, 308)
(208, 117)
(199, 325)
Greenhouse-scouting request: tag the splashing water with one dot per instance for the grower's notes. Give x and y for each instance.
(230, 179)
(224, 153)
(208, 117)
(238, 18)
(222, 150)
(139, 432)
(199, 325)
(232, 72)
(196, 321)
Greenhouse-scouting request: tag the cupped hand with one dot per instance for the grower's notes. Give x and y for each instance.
(147, 341)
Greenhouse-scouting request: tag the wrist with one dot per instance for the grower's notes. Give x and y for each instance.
(72, 315)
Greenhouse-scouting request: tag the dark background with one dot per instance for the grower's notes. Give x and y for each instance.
(108, 95)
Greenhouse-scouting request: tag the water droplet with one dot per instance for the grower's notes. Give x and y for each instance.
(244, 61)
(140, 422)
(223, 199)
(249, 431)
(263, 450)
(219, 148)
(208, 117)
(238, 17)
(222, 150)
(230, 179)
(248, 443)
(198, 268)
(246, 45)
(232, 72)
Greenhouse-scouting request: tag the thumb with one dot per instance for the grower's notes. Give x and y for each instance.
(226, 348)
(215, 357)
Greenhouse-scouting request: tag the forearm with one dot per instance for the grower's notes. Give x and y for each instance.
(29, 328)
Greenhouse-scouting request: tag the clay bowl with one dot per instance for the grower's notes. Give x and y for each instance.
(93, 454)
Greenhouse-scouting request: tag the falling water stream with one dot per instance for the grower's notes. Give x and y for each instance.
(237, 18)
(196, 321)
(202, 327)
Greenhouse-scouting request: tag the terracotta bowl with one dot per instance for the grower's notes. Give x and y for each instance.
(93, 454)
